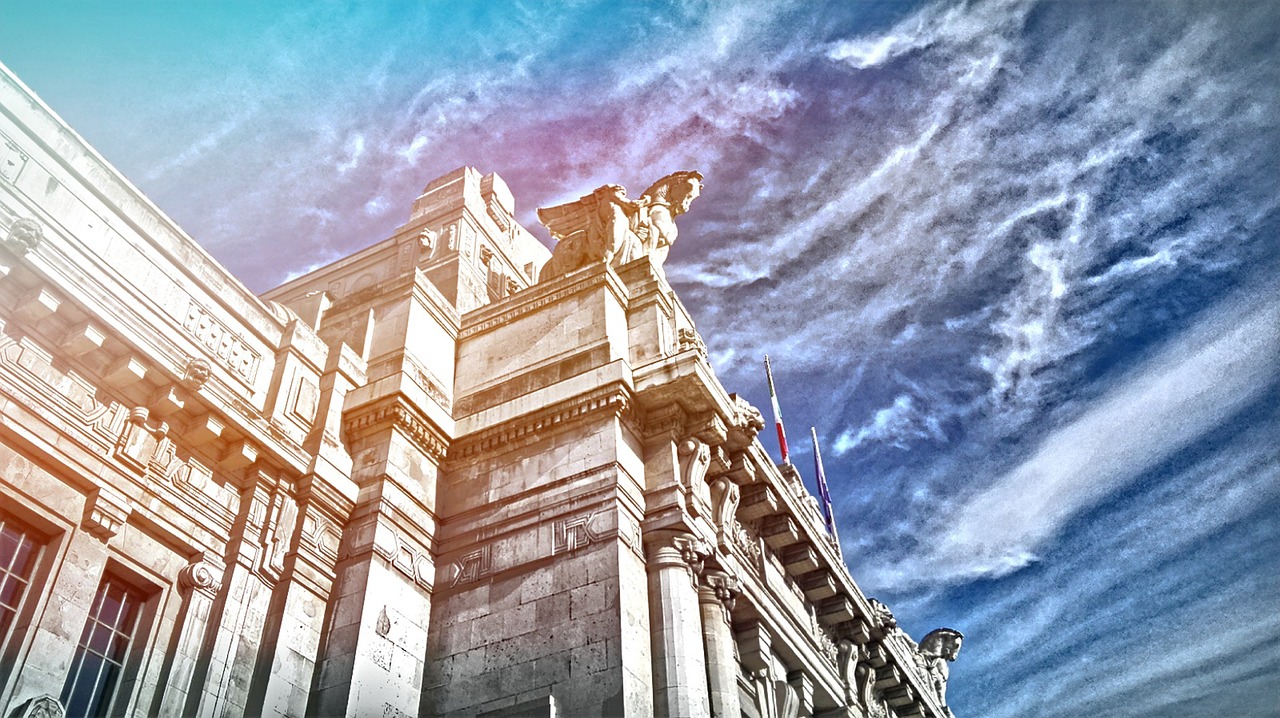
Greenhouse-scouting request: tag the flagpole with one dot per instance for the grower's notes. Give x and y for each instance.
(777, 413)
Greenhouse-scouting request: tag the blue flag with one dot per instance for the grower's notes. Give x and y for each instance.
(823, 492)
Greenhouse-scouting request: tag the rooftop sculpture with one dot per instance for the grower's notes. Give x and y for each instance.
(605, 226)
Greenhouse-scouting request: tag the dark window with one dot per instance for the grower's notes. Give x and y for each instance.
(19, 549)
(98, 669)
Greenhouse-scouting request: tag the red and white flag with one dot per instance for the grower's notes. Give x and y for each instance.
(777, 413)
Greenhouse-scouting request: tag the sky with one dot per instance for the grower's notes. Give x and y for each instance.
(1016, 260)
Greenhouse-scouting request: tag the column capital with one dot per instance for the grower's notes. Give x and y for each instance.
(203, 576)
(723, 586)
(678, 549)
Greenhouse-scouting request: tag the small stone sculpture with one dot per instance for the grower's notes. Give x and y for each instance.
(605, 226)
(937, 649)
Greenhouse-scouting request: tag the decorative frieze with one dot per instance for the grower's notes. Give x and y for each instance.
(614, 398)
(411, 558)
(473, 566)
(571, 534)
(217, 338)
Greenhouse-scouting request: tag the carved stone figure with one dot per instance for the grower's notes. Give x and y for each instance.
(197, 373)
(605, 226)
(24, 236)
(937, 649)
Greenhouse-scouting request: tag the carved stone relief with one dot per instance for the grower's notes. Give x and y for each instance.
(568, 535)
(24, 235)
(12, 161)
(695, 459)
(196, 373)
(725, 585)
(725, 496)
(279, 534)
(141, 441)
(473, 566)
(45, 706)
(201, 576)
(688, 339)
(217, 338)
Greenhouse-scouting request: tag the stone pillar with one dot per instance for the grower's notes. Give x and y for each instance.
(679, 661)
(233, 639)
(282, 684)
(199, 583)
(716, 596)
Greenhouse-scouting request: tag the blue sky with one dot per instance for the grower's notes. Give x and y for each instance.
(1016, 260)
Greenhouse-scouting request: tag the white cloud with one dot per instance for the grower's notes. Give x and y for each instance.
(896, 425)
(1189, 387)
(354, 149)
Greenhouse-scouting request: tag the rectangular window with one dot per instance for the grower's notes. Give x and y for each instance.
(19, 550)
(98, 670)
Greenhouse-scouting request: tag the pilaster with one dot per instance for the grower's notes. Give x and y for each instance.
(679, 658)
(716, 597)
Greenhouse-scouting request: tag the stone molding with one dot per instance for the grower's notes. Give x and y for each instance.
(396, 413)
(614, 397)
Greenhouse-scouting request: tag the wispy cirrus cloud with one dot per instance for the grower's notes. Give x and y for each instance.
(1189, 388)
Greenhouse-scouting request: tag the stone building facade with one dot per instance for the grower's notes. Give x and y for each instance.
(418, 481)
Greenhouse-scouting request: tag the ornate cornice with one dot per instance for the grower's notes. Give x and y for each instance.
(395, 412)
(614, 397)
(554, 293)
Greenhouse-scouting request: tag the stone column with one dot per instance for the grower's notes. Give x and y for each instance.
(199, 583)
(716, 596)
(679, 661)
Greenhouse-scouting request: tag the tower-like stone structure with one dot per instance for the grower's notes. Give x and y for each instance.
(423, 480)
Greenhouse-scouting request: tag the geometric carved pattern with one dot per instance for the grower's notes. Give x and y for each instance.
(571, 534)
(473, 566)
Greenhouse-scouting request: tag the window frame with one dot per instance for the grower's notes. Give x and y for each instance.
(147, 596)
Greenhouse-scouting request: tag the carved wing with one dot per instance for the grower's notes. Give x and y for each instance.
(566, 220)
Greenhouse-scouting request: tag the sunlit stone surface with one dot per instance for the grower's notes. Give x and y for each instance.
(432, 478)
